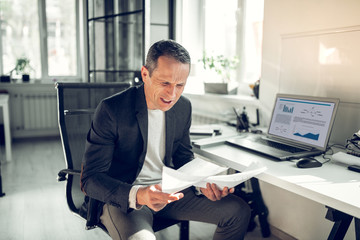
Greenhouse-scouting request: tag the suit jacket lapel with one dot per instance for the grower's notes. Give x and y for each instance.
(142, 119)
(170, 134)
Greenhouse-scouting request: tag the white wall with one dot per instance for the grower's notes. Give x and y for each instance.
(293, 214)
(298, 17)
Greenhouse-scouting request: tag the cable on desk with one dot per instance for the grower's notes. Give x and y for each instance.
(330, 148)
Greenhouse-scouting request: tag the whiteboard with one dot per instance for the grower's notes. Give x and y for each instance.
(323, 63)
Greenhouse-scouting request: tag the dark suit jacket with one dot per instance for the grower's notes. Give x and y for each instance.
(117, 142)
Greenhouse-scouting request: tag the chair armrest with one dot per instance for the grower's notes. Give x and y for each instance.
(62, 174)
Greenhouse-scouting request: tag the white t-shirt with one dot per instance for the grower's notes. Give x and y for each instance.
(152, 169)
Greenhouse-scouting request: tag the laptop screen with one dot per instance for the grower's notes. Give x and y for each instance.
(305, 120)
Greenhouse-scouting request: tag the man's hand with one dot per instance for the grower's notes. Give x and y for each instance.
(153, 197)
(213, 193)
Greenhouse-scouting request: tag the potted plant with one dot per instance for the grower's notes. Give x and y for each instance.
(222, 67)
(23, 68)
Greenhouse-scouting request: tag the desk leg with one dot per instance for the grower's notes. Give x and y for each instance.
(262, 210)
(7, 132)
(341, 223)
(1, 192)
(184, 230)
(357, 228)
(257, 205)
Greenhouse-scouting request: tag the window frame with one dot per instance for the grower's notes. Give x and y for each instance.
(45, 77)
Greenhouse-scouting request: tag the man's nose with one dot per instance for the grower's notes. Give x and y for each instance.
(172, 91)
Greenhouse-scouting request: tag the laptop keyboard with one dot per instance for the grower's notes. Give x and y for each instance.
(280, 146)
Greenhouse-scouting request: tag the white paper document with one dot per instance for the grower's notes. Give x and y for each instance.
(198, 172)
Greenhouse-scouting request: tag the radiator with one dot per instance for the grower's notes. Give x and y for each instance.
(39, 111)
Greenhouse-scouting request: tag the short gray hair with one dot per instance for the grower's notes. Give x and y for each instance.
(168, 48)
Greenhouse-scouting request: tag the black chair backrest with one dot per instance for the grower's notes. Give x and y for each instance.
(76, 106)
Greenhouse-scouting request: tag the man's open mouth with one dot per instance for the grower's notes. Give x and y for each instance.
(166, 101)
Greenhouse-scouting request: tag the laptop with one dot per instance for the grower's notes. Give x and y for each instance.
(300, 126)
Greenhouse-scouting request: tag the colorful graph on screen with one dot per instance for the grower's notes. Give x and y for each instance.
(308, 135)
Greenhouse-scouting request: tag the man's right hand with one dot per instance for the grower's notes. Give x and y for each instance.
(153, 197)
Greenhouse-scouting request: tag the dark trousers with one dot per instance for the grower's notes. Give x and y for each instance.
(231, 215)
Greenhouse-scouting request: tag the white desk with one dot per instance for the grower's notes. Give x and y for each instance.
(331, 185)
(4, 103)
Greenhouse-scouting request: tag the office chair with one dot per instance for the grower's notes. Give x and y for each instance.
(76, 106)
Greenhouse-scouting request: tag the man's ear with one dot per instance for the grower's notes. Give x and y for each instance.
(144, 73)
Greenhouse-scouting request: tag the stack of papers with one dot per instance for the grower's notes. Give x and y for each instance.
(198, 172)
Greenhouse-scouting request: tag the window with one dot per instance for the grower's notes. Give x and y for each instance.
(45, 32)
(19, 34)
(229, 28)
(61, 37)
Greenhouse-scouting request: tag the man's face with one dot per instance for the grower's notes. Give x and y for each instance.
(164, 88)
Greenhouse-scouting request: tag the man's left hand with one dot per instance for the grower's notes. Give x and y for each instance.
(213, 193)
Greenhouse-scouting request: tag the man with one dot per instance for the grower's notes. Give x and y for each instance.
(133, 135)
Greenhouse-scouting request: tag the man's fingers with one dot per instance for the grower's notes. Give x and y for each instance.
(216, 191)
(225, 192)
(209, 193)
(163, 198)
(153, 197)
(176, 196)
(213, 193)
(155, 188)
